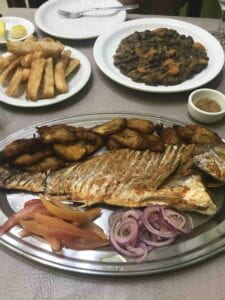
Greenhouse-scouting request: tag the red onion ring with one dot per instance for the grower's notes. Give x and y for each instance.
(141, 250)
(163, 231)
(154, 242)
(115, 217)
(129, 225)
(134, 213)
(134, 233)
(119, 248)
(174, 219)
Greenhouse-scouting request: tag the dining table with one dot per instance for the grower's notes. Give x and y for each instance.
(22, 278)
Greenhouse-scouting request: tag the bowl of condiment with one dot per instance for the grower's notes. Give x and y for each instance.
(206, 105)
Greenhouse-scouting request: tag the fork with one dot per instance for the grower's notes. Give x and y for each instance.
(81, 13)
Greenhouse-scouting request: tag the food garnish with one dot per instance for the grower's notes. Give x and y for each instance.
(40, 68)
(66, 213)
(134, 233)
(160, 57)
(18, 31)
(36, 218)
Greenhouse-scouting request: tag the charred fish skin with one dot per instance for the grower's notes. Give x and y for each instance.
(120, 169)
(211, 160)
(5, 173)
(21, 180)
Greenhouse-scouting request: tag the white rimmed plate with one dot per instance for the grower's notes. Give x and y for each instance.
(76, 83)
(13, 21)
(89, 26)
(106, 45)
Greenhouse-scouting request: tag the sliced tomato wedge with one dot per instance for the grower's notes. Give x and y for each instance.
(67, 213)
(54, 243)
(57, 224)
(81, 244)
(27, 212)
(96, 230)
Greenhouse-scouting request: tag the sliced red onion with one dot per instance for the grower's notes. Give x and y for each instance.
(134, 213)
(134, 233)
(119, 248)
(126, 232)
(155, 242)
(146, 219)
(175, 220)
(149, 248)
(115, 217)
(141, 251)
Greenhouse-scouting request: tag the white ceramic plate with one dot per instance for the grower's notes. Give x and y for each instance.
(76, 82)
(89, 26)
(13, 21)
(106, 45)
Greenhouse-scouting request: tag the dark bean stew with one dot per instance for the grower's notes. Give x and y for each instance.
(160, 57)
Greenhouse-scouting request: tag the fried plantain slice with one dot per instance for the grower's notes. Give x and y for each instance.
(20, 146)
(15, 83)
(94, 146)
(30, 159)
(57, 133)
(60, 72)
(143, 126)
(71, 152)
(26, 60)
(9, 69)
(197, 134)
(110, 127)
(48, 80)
(130, 139)
(84, 134)
(5, 61)
(73, 65)
(154, 142)
(35, 77)
(169, 135)
(113, 145)
(90, 148)
(25, 74)
(49, 163)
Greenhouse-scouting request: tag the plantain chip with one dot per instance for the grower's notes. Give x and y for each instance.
(111, 127)
(130, 139)
(143, 126)
(71, 152)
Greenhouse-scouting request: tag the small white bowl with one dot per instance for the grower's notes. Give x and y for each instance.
(204, 116)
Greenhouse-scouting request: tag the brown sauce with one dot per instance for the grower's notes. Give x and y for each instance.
(208, 104)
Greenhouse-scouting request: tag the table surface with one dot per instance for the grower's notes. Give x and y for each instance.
(23, 279)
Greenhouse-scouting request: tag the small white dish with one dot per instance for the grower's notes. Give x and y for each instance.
(13, 21)
(201, 115)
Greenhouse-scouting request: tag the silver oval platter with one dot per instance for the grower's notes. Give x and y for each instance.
(206, 240)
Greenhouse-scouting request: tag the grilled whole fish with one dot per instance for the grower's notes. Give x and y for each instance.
(123, 177)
